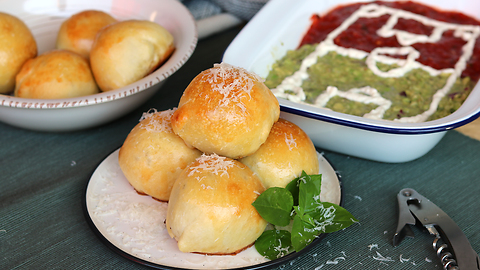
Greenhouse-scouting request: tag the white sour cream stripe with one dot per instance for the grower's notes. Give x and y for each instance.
(469, 33)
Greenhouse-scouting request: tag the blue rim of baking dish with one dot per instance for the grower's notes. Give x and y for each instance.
(382, 129)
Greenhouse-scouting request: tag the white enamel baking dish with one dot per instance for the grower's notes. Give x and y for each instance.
(279, 27)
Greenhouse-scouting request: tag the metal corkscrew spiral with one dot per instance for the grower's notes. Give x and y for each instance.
(446, 257)
(450, 244)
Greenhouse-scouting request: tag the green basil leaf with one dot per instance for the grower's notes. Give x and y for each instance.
(275, 205)
(293, 188)
(274, 244)
(330, 217)
(309, 192)
(303, 232)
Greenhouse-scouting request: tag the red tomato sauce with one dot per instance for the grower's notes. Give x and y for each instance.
(362, 34)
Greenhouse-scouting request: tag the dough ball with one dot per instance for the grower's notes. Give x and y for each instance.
(226, 110)
(210, 209)
(78, 32)
(17, 45)
(127, 51)
(152, 156)
(55, 74)
(287, 151)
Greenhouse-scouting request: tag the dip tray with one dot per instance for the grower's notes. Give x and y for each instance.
(280, 26)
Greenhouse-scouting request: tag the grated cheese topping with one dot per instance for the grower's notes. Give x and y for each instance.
(402, 260)
(213, 163)
(381, 258)
(282, 250)
(290, 141)
(243, 82)
(336, 260)
(159, 123)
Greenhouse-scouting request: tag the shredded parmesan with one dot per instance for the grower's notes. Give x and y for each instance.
(328, 216)
(148, 114)
(381, 258)
(281, 251)
(213, 163)
(402, 260)
(335, 261)
(232, 91)
(357, 197)
(290, 141)
(158, 121)
(372, 246)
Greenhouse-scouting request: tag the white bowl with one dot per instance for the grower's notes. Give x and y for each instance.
(280, 26)
(44, 19)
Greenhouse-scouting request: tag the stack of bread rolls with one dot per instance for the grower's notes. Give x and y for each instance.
(227, 123)
(17, 45)
(94, 52)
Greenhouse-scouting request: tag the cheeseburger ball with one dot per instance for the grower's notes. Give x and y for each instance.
(287, 152)
(127, 51)
(78, 32)
(152, 156)
(54, 75)
(210, 209)
(17, 45)
(226, 110)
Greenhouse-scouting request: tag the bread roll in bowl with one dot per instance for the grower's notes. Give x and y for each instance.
(126, 51)
(78, 32)
(17, 45)
(152, 156)
(226, 110)
(210, 209)
(55, 74)
(287, 152)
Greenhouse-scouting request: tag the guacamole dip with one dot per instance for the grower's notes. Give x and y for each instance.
(410, 95)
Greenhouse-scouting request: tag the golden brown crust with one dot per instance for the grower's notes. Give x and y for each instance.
(152, 156)
(127, 51)
(210, 209)
(55, 74)
(17, 45)
(78, 32)
(287, 151)
(226, 110)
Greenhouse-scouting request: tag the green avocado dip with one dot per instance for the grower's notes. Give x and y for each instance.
(410, 94)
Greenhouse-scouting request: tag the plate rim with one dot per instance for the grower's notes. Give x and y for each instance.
(264, 265)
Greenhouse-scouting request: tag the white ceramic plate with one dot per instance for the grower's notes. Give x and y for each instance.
(44, 19)
(133, 224)
(281, 25)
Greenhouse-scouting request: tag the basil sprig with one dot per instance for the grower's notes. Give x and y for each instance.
(298, 201)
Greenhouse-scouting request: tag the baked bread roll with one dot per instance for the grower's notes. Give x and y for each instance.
(127, 51)
(55, 74)
(287, 151)
(226, 110)
(210, 209)
(78, 32)
(152, 156)
(17, 45)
